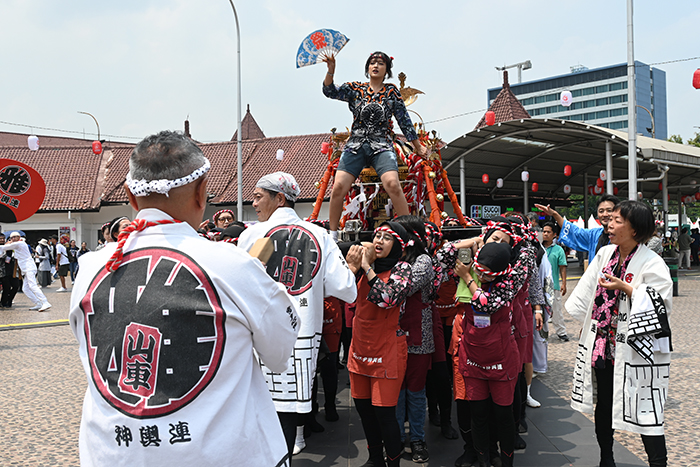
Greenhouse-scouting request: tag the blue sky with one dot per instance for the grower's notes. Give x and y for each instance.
(143, 66)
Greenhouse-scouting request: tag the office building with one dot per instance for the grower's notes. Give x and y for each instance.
(600, 97)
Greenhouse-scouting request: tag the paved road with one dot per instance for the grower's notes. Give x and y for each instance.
(42, 386)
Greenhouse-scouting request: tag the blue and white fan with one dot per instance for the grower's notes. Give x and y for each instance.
(319, 43)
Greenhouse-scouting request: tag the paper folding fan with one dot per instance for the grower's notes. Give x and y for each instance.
(319, 43)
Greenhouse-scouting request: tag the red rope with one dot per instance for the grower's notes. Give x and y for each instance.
(136, 226)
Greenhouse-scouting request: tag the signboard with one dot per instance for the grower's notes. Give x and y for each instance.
(486, 212)
(22, 191)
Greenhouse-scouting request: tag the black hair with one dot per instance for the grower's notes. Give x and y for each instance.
(684, 230)
(640, 217)
(415, 228)
(273, 194)
(552, 225)
(387, 61)
(607, 197)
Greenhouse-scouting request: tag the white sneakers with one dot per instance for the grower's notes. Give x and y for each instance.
(299, 443)
(61, 289)
(35, 308)
(45, 306)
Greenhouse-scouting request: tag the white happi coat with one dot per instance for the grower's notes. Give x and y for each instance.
(308, 262)
(167, 342)
(640, 388)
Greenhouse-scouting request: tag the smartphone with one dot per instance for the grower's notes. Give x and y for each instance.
(465, 255)
(602, 276)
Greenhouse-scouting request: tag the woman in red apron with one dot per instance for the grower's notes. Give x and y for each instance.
(377, 361)
(488, 355)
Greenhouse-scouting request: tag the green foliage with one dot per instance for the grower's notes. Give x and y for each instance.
(695, 141)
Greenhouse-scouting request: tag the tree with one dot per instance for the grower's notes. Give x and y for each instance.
(695, 141)
(676, 139)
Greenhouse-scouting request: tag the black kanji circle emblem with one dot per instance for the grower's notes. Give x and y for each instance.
(296, 257)
(154, 331)
(14, 180)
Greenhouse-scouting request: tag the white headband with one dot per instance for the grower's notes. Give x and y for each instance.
(163, 186)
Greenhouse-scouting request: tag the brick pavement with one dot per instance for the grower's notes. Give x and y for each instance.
(43, 383)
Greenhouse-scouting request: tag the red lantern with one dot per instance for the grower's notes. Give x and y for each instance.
(599, 183)
(535, 187)
(490, 117)
(696, 79)
(485, 178)
(615, 190)
(697, 195)
(661, 186)
(325, 147)
(96, 147)
(597, 190)
(590, 189)
(567, 170)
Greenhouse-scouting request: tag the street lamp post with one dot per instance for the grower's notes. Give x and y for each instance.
(632, 124)
(526, 65)
(98, 125)
(653, 127)
(239, 144)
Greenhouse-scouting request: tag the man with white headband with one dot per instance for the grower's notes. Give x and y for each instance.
(310, 265)
(26, 264)
(168, 324)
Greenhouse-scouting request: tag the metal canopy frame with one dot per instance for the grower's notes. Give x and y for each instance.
(545, 146)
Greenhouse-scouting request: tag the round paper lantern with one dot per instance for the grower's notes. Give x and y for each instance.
(603, 175)
(696, 79)
(661, 186)
(280, 154)
(524, 175)
(615, 190)
(535, 187)
(599, 183)
(96, 147)
(567, 170)
(597, 190)
(590, 189)
(499, 183)
(490, 117)
(325, 147)
(566, 98)
(485, 178)
(567, 189)
(697, 195)
(33, 143)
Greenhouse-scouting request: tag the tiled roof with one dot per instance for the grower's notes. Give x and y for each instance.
(249, 128)
(70, 174)
(506, 106)
(20, 139)
(77, 180)
(302, 159)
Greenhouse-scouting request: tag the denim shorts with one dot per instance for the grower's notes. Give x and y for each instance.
(354, 162)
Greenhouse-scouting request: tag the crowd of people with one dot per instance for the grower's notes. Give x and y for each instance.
(203, 341)
(181, 350)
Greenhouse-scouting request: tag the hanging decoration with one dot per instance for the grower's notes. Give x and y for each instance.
(615, 190)
(661, 186)
(325, 147)
(96, 147)
(696, 79)
(490, 117)
(280, 154)
(524, 175)
(697, 195)
(535, 187)
(33, 143)
(485, 179)
(499, 183)
(599, 183)
(567, 170)
(597, 190)
(566, 98)
(603, 175)
(567, 189)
